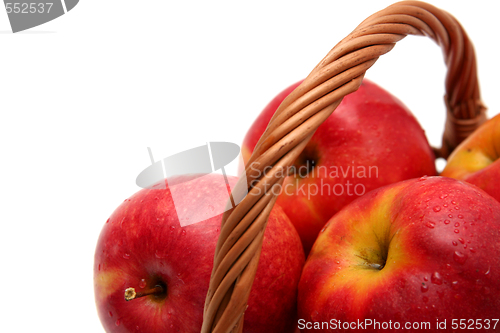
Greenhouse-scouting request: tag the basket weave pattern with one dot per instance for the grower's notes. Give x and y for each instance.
(337, 75)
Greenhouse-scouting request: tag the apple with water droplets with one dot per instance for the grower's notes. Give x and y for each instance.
(477, 159)
(371, 140)
(419, 251)
(163, 269)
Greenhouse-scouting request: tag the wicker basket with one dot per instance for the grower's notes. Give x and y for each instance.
(338, 74)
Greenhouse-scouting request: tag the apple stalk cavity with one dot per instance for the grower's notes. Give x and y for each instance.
(156, 291)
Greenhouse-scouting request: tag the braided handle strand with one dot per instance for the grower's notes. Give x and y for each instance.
(337, 75)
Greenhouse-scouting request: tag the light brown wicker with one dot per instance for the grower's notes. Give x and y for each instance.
(338, 74)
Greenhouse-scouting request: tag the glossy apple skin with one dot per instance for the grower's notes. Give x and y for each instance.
(441, 241)
(477, 159)
(143, 244)
(371, 130)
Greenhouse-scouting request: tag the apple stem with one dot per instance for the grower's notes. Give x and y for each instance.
(131, 294)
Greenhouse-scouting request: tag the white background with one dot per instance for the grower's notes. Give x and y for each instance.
(82, 97)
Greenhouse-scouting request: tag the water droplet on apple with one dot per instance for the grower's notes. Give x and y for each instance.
(454, 285)
(450, 216)
(461, 240)
(436, 278)
(459, 257)
(457, 208)
(183, 231)
(446, 221)
(479, 285)
(460, 216)
(172, 227)
(425, 278)
(473, 250)
(117, 323)
(437, 209)
(424, 288)
(488, 271)
(456, 231)
(142, 284)
(422, 178)
(444, 195)
(453, 202)
(430, 224)
(126, 256)
(454, 243)
(107, 221)
(110, 314)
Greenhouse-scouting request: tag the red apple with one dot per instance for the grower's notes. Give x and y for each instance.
(419, 251)
(143, 246)
(477, 159)
(370, 140)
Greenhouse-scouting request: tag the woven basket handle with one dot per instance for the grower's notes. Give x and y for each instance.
(337, 75)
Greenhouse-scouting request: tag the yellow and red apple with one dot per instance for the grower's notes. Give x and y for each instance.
(477, 159)
(371, 140)
(142, 246)
(421, 250)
